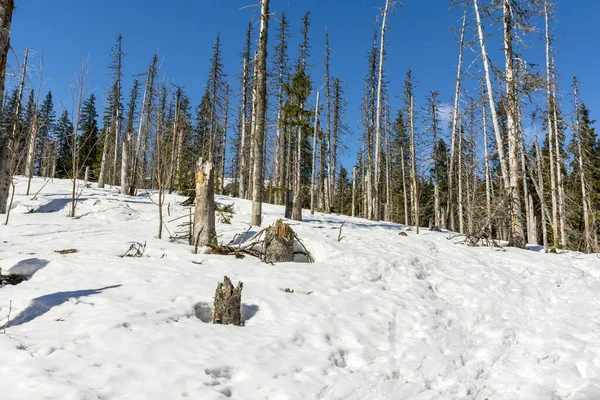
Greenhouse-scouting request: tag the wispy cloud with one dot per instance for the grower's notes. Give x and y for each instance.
(444, 112)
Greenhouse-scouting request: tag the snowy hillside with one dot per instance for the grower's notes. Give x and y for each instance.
(377, 316)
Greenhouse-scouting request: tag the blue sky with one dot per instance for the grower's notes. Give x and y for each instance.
(183, 31)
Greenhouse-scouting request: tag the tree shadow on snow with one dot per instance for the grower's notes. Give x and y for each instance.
(243, 237)
(55, 205)
(41, 305)
(28, 267)
(204, 311)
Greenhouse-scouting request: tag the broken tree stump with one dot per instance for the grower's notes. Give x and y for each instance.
(228, 303)
(204, 230)
(279, 243)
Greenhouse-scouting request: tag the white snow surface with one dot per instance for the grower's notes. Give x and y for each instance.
(377, 316)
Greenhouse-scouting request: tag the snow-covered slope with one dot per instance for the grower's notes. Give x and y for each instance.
(377, 316)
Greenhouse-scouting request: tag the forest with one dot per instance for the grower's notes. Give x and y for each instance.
(275, 132)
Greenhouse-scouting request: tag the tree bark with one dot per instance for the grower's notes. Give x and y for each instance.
(260, 105)
(455, 114)
(413, 160)
(314, 158)
(517, 237)
(279, 243)
(204, 215)
(377, 194)
(228, 303)
(7, 140)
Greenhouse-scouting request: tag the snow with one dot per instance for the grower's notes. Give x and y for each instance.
(377, 316)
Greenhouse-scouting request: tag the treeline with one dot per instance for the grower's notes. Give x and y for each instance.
(480, 176)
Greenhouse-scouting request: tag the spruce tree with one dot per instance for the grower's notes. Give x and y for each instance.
(45, 140)
(88, 146)
(63, 132)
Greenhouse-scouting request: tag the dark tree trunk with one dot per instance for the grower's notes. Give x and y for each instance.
(228, 303)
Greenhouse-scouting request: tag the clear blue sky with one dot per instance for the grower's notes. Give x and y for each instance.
(183, 31)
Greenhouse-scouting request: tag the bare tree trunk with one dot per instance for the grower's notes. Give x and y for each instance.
(104, 162)
(388, 190)
(377, 197)
(260, 105)
(455, 116)
(125, 182)
(436, 180)
(413, 169)
(297, 211)
(224, 151)
(541, 194)
(204, 215)
(243, 167)
(488, 184)
(590, 245)
(80, 89)
(404, 191)
(354, 191)
(9, 151)
(117, 130)
(559, 182)
(314, 158)
(461, 215)
(492, 104)
(517, 237)
(551, 130)
(175, 142)
(7, 140)
(31, 148)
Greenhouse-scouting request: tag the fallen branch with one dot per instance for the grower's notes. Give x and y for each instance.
(340, 237)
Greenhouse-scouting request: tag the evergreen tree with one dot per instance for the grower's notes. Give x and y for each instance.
(88, 146)
(45, 140)
(63, 132)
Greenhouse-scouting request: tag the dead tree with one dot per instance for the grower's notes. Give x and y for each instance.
(228, 303)
(260, 103)
(6, 140)
(204, 215)
(279, 243)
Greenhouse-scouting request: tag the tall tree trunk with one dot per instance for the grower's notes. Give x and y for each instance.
(488, 194)
(224, 147)
(354, 191)
(104, 162)
(559, 181)
(455, 117)
(314, 158)
(175, 141)
(551, 129)
(404, 191)
(541, 194)
(7, 140)
(260, 104)
(243, 164)
(461, 215)
(31, 148)
(590, 245)
(492, 104)
(377, 197)
(517, 237)
(413, 166)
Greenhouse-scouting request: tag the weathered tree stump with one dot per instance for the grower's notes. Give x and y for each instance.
(204, 215)
(279, 243)
(228, 303)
